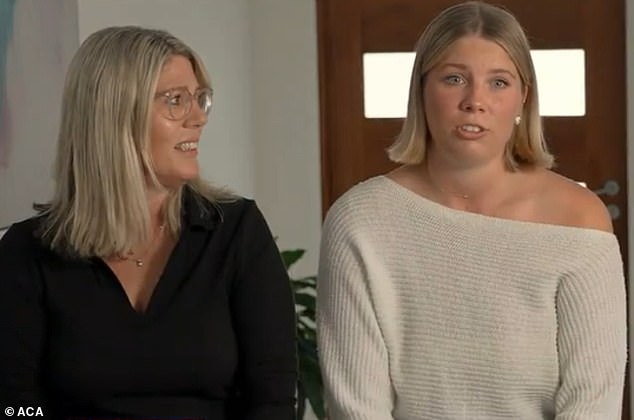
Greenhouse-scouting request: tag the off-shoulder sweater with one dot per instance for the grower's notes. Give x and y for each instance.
(426, 312)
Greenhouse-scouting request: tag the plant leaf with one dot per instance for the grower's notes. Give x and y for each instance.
(310, 378)
(305, 300)
(310, 383)
(302, 284)
(309, 279)
(305, 324)
(291, 256)
(308, 349)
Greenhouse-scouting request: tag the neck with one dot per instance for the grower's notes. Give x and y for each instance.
(157, 233)
(156, 204)
(464, 182)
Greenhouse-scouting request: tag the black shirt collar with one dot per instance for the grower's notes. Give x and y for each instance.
(199, 212)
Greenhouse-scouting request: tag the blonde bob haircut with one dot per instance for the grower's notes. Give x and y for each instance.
(527, 146)
(103, 164)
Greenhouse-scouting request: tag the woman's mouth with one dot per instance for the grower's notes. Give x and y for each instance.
(471, 128)
(187, 146)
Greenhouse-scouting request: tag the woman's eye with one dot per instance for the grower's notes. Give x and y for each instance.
(500, 83)
(454, 79)
(175, 99)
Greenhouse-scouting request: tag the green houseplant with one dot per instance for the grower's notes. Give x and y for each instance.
(309, 386)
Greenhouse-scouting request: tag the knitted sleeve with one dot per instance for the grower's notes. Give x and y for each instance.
(353, 355)
(592, 340)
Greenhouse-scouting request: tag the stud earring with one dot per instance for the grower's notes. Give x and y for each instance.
(518, 119)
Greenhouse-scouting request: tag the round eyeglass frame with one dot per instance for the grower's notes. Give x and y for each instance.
(203, 97)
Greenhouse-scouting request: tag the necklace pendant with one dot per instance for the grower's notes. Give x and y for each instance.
(139, 262)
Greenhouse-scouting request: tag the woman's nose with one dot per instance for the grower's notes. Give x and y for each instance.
(473, 100)
(197, 117)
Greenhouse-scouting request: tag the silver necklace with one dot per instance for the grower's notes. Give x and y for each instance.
(456, 194)
(445, 191)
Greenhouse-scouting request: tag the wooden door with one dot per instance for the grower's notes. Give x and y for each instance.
(590, 148)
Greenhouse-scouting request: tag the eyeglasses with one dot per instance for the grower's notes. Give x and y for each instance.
(179, 102)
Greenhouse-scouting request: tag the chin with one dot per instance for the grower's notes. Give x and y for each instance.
(188, 173)
(188, 177)
(175, 181)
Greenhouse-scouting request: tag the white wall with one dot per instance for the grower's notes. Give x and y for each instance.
(286, 123)
(45, 37)
(218, 31)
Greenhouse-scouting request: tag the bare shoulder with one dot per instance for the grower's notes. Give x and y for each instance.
(573, 204)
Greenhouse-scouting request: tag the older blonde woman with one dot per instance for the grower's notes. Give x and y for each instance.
(141, 291)
(472, 282)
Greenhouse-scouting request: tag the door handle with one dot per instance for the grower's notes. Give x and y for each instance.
(614, 211)
(610, 188)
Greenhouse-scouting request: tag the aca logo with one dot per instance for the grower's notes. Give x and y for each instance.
(24, 412)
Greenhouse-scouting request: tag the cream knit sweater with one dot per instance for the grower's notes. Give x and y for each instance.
(425, 312)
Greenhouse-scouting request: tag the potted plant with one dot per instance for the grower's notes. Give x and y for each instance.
(309, 386)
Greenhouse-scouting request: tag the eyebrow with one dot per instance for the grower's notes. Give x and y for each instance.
(183, 87)
(492, 71)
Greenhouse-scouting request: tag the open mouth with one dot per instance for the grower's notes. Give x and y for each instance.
(471, 128)
(187, 146)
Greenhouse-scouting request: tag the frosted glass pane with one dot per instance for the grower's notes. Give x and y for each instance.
(560, 81)
(386, 84)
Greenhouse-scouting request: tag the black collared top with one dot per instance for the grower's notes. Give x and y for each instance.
(217, 340)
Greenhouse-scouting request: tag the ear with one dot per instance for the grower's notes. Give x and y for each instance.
(524, 94)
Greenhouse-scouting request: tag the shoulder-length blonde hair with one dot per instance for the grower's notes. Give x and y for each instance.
(100, 207)
(527, 147)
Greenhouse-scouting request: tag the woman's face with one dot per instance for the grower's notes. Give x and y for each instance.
(471, 98)
(174, 142)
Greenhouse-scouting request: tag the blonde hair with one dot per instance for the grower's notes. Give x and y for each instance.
(527, 147)
(100, 207)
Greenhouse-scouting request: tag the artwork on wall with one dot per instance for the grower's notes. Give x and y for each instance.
(37, 40)
(6, 30)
